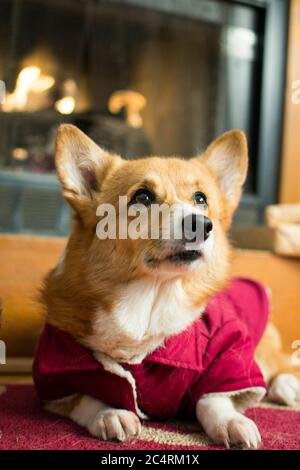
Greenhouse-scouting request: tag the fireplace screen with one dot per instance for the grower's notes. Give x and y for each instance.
(140, 77)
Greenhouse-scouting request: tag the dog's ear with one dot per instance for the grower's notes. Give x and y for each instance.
(81, 166)
(227, 158)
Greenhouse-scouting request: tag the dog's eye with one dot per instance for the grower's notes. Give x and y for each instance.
(143, 196)
(200, 198)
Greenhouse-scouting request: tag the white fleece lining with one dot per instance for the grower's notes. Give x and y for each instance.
(248, 397)
(115, 368)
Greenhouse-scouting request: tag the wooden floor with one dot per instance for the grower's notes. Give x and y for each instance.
(15, 379)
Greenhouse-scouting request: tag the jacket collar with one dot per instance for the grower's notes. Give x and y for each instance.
(184, 350)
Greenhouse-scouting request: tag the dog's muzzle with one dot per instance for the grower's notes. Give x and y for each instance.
(196, 228)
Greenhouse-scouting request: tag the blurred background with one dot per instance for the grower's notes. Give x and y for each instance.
(147, 77)
(140, 77)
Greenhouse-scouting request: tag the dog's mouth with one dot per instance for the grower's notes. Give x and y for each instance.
(178, 257)
(187, 256)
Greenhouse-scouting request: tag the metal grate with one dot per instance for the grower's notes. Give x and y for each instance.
(39, 209)
(8, 198)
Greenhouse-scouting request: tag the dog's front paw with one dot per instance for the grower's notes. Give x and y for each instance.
(285, 389)
(237, 431)
(111, 424)
(243, 432)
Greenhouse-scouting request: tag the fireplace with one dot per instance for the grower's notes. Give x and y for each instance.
(140, 77)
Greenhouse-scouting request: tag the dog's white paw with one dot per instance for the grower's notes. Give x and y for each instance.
(224, 424)
(285, 389)
(243, 431)
(111, 424)
(105, 422)
(238, 431)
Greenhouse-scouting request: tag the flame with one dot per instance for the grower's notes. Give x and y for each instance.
(29, 80)
(20, 153)
(132, 101)
(43, 83)
(65, 105)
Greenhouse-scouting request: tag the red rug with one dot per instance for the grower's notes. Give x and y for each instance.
(24, 425)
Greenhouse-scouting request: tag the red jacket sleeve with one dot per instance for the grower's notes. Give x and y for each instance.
(229, 365)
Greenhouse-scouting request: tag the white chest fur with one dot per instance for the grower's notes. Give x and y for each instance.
(146, 313)
(154, 308)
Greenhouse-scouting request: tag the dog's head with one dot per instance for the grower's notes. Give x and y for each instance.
(172, 216)
(154, 228)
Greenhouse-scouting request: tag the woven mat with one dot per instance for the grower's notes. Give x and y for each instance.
(24, 425)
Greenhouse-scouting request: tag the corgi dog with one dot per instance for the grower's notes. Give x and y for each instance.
(122, 298)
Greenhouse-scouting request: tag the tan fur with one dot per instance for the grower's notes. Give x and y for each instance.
(271, 356)
(63, 407)
(83, 294)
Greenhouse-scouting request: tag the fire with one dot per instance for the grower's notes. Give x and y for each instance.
(65, 105)
(132, 101)
(30, 80)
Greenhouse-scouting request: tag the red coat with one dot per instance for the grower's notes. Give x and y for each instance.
(215, 354)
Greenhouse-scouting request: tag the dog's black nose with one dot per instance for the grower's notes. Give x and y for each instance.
(196, 227)
(208, 226)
